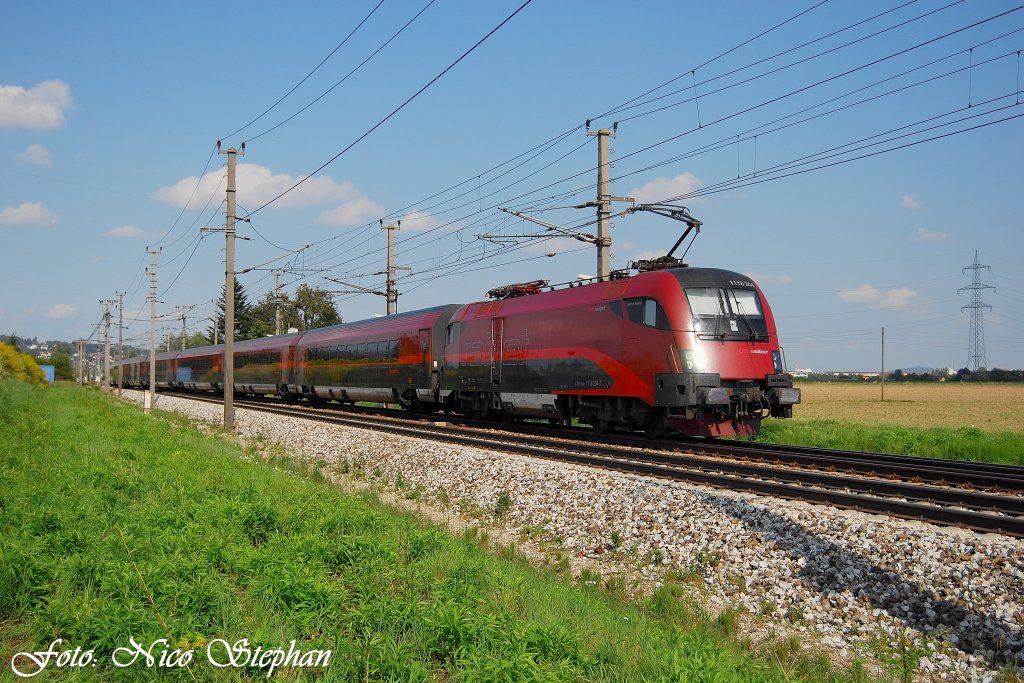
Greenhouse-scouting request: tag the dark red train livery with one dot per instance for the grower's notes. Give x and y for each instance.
(692, 350)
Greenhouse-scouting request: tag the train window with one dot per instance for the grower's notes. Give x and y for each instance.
(646, 311)
(716, 301)
(706, 301)
(393, 349)
(361, 352)
(650, 312)
(744, 302)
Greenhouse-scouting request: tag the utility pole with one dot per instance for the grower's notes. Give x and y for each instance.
(120, 341)
(229, 292)
(104, 383)
(150, 398)
(976, 340)
(883, 363)
(277, 302)
(391, 293)
(182, 314)
(81, 361)
(604, 199)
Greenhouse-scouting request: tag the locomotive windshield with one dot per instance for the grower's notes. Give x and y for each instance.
(726, 313)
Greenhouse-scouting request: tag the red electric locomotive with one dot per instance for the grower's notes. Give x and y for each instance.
(693, 350)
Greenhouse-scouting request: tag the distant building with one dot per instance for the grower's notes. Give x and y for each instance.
(48, 371)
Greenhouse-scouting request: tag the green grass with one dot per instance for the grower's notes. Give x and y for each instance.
(965, 443)
(116, 525)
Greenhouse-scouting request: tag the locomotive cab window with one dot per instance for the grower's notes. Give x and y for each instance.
(727, 312)
(646, 311)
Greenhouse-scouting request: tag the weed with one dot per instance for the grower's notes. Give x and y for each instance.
(590, 578)
(709, 558)
(616, 539)
(502, 505)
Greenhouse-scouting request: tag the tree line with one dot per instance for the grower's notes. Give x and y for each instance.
(308, 309)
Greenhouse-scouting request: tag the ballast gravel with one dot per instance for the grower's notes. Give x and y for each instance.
(949, 600)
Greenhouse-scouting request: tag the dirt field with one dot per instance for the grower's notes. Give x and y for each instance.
(992, 407)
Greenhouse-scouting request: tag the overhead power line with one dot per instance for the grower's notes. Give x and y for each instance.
(397, 109)
(346, 76)
(306, 77)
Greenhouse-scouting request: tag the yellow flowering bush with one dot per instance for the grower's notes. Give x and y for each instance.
(19, 366)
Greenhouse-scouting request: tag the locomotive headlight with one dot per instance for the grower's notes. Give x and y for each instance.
(694, 359)
(777, 361)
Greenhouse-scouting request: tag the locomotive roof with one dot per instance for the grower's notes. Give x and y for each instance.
(709, 277)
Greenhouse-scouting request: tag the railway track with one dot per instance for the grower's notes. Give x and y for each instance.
(899, 486)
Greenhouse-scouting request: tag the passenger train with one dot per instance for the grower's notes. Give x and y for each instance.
(680, 349)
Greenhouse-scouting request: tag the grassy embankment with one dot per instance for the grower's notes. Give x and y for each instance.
(113, 524)
(949, 420)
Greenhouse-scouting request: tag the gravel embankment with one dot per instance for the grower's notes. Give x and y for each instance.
(848, 579)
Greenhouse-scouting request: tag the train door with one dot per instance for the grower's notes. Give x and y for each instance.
(425, 355)
(497, 348)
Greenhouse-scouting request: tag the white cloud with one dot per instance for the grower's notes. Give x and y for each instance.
(862, 294)
(124, 231)
(257, 185)
(35, 155)
(352, 213)
(61, 311)
(40, 107)
(930, 236)
(909, 201)
(419, 220)
(661, 189)
(900, 297)
(28, 213)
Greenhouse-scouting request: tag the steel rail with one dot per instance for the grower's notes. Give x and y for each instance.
(979, 511)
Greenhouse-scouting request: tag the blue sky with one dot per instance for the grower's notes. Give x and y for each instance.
(109, 114)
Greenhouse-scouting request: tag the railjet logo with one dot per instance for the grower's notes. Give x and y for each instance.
(159, 655)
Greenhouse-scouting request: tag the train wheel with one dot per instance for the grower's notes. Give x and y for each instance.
(556, 421)
(653, 430)
(600, 425)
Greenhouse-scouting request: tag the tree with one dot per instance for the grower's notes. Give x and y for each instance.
(264, 316)
(311, 308)
(314, 308)
(61, 362)
(242, 315)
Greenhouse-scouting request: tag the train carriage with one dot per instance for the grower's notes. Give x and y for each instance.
(265, 365)
(200, 369)
(392, 360)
